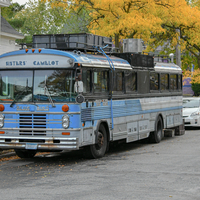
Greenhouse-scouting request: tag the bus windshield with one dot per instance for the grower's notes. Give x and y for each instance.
(37, 85)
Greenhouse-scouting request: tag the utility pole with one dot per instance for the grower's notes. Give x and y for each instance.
(178, 49)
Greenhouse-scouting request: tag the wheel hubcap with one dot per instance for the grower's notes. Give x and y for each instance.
(100, 140)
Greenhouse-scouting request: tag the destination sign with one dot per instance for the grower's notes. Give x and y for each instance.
(35, 61)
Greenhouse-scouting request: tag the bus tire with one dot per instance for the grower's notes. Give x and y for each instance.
(98, 150)
(25, 153)
(156, 136)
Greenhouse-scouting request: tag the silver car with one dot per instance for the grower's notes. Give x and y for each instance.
(191, 111)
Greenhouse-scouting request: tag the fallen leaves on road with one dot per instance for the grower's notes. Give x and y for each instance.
(16, 157)
(8, 158)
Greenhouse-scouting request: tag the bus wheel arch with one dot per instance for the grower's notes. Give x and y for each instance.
(100, 147)
(157, 135)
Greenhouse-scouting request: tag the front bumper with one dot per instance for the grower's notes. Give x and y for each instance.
(189, 121)
(38, 143)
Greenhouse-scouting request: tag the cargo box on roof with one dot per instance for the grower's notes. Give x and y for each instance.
(80, 41)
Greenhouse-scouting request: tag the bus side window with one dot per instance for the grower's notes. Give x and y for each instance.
(105, 81)
(118, 82)
(173, 82)
(86, 78)
(164, 81)
(131, 82)
(101, 81)
(154, 81)
(180, 81)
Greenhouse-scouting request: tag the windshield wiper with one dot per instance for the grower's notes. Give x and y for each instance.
(48, 93)
(17, 97)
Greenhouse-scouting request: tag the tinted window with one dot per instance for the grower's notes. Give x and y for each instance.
(173, 82)
(154, 81)
(164, 81)
(131, 81)
(118, 83)
(180, 81)
(86, 78)
(100, 81)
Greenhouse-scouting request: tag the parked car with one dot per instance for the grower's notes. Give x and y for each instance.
(191, 111)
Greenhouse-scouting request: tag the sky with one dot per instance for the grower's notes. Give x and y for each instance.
(20, 1)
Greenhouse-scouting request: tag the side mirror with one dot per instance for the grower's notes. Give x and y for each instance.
(78, 86)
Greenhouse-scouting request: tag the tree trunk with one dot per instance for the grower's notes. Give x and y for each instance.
(117, 42)
(198, 61)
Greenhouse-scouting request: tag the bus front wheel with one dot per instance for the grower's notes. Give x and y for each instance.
(98, 150)
(25, 153)
(157, 135)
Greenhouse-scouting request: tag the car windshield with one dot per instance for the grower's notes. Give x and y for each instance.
(37, 85)
(190, 103)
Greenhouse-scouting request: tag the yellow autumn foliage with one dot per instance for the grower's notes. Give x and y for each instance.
(145, 19)
(195, 76)
(139, 18)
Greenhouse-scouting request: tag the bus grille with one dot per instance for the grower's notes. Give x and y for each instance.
(28, 122)
(86, 114)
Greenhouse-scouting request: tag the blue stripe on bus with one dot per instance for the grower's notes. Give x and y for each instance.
(120, 109)
(123, 112)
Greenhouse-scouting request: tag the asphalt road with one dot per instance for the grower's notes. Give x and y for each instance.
(138, 171)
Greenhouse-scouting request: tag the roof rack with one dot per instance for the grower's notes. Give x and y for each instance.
(79, 41)
(137, 59)
(162, 58)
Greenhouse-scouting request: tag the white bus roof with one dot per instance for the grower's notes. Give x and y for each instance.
(49, 58)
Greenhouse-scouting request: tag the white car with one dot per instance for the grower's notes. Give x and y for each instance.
(191, 111)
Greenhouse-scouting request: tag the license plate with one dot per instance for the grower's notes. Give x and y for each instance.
(31, 146)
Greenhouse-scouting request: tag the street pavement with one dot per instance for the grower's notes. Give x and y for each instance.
(138, 171)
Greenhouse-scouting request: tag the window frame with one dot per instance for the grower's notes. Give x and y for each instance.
(164, 90)
(108, 80)
(122, 91)
(134, 73)
(154, 90)
(176, 79)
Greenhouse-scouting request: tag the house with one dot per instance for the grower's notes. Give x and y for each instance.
(8, 34)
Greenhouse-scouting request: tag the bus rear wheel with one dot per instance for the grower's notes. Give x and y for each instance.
(25, 153)
(98, 150)
(156, 136)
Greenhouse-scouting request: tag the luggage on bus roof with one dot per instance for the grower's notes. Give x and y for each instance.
(78, 41)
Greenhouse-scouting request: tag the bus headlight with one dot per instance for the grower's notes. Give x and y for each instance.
(65, 121)
(1, 120)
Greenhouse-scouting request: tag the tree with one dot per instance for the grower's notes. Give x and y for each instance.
(39, 17)
(10, 12)
(155, 21)
(194, 80)
(77, 21)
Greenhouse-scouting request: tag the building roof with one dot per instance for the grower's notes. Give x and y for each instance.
(4, 3)
(7, 28)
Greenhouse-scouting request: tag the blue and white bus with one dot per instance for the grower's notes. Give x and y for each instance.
(53, 100)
